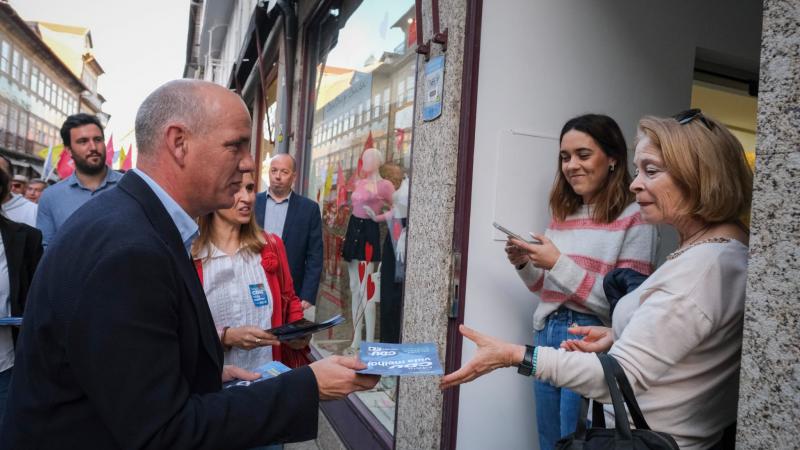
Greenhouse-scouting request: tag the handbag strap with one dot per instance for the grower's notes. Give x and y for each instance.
(598, 415)
(622, 425)
(627, 394)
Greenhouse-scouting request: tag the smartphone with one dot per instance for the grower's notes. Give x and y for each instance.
(515, 235)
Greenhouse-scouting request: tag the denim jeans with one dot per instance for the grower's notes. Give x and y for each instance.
(557, 408)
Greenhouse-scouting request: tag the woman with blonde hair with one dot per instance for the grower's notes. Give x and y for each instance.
(678, 336)
(246, 279)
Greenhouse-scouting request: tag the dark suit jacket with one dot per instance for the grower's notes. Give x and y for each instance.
(119, 350)
(23, 249)
(302, 237)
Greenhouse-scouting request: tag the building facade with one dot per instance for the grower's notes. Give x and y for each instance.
(326, 80)
(43, 79)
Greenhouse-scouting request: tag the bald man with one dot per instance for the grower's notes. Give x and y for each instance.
(119, 349)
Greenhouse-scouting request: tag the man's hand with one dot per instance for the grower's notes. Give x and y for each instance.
(336, 377)
(595, 339)
(230, 373)
(492, 354)
(305, 304)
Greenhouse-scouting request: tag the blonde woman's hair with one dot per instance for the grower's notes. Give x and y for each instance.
(707, 163)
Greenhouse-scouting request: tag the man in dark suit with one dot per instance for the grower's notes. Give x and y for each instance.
(119, 349)
(296, 220)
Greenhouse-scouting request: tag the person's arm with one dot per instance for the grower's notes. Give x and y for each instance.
(45, 221)
(126, 355)
(313, 259)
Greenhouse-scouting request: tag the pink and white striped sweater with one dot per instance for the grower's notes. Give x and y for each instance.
(589, 250)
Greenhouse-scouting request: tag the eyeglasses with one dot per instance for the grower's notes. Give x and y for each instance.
(689, 115)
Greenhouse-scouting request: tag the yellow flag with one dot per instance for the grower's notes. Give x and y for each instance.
(328, 182)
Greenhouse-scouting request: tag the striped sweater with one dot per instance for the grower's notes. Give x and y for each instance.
(589, 250)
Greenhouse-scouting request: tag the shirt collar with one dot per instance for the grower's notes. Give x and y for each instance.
(112, 176)
(187, 227)
(269, 195)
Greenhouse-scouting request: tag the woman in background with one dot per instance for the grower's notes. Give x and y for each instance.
(247, 283)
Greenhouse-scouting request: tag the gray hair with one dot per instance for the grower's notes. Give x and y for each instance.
(174, 101)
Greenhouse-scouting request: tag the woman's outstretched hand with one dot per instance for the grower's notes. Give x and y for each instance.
(595, 339)
(492, 354)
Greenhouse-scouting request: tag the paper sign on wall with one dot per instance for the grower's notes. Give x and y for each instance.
(434, 84)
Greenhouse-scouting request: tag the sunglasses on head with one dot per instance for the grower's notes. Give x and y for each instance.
(689, 115)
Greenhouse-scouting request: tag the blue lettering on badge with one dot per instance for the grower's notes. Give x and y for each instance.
(259, 295)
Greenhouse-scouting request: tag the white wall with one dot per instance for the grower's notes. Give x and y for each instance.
(542, 62)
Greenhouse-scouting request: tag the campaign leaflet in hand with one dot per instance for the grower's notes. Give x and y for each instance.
(269, 370)
(303, 327)
(400, 360)
(10, 321)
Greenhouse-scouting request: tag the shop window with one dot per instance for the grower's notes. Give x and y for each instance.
(365, 167)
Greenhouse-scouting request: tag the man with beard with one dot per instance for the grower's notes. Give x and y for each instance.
(83, 138)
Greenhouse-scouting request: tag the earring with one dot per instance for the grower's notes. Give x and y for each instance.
(611, 168)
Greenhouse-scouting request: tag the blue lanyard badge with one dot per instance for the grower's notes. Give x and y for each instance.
(259, 295)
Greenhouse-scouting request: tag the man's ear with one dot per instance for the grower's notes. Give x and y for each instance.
(177, 142)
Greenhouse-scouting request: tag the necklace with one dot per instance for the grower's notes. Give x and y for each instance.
(680, 251)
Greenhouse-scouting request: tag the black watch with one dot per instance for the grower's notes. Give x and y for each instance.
(526, 366)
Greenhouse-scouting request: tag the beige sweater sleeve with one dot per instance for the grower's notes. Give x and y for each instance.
(660, 333)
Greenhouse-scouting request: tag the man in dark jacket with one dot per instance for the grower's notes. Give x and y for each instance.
(296, 220)
(119, 348)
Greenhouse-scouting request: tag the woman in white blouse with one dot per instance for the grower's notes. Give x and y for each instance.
(679, 335)
(247, 282)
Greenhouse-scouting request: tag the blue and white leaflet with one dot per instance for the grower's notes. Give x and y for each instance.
(269, 370)
(400, 360)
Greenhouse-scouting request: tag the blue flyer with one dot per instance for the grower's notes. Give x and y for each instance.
(10, 321)
(269, 370)
(400, 360)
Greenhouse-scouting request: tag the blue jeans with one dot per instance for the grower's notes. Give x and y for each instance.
(557, 408)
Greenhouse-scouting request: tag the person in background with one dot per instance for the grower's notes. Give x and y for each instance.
(34, 190)
(595, 227)
(246, 280)
(19, 183)
(678, 336)
(20, 252)
(296, 220)
(15, 207)
(84, 139)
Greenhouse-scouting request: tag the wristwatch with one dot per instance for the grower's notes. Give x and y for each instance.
(526, 366)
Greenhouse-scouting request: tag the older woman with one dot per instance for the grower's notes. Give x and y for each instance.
(246, 279)
(678, 336)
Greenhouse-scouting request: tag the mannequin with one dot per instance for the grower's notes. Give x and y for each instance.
(361, 247)
(393, 257)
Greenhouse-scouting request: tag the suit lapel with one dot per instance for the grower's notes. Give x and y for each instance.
(291, 215)
(165, 227)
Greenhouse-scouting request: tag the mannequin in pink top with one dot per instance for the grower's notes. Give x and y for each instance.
(361, 247)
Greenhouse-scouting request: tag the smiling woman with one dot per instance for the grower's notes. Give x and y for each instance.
(596, 227)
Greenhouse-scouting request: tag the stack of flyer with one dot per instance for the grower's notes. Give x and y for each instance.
(303, 327)
(269, 370)
(400, 360)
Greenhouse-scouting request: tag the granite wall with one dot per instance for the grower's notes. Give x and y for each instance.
(769, 402)
(430, 232)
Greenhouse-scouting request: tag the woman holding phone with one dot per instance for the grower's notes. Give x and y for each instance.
(595, 227)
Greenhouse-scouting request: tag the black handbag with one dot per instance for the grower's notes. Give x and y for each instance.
(621, 436)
